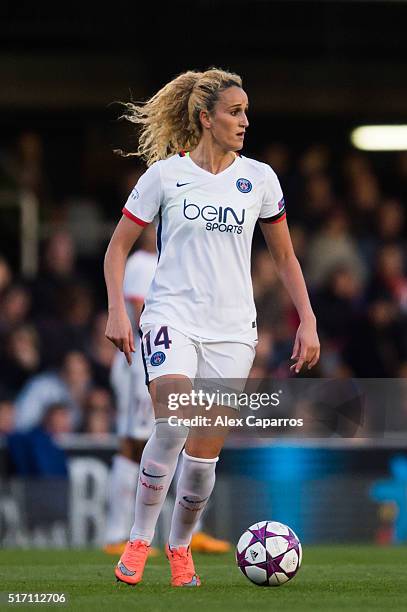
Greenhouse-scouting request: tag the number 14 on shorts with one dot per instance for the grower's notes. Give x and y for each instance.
(161, 339)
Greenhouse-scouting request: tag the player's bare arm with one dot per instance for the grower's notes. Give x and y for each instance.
(306, 346)
(118, 328)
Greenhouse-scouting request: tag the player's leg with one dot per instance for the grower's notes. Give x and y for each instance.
(202, 541)
(194, 488)
(160, 455)
(124, 471)
(195, 484)
(121, 493)
(225, 366)
(134, 424)
(157, 467)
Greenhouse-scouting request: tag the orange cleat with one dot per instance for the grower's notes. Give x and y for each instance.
(130, 567)
(118, 549)
(204, 543)
(182, 567)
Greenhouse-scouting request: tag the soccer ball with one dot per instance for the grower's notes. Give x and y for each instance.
(269, 553)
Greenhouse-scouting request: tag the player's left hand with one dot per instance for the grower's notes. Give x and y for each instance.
(306, 346)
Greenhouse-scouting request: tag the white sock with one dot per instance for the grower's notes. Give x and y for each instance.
(199, 524)
(157, 467)
(194, 488)
(120, 498)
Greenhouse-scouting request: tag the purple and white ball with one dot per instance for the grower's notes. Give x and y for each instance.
(269, 553)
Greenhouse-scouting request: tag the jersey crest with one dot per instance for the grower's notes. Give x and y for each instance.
(244, 185)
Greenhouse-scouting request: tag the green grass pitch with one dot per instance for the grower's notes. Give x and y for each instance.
(332, 578)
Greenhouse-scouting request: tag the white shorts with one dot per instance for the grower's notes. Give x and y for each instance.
(135, 414)
(167, 351)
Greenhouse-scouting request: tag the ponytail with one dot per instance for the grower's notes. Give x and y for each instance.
(169, 121)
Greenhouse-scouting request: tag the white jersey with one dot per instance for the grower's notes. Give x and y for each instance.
(139, 273)
(134, 409)
(205, 223)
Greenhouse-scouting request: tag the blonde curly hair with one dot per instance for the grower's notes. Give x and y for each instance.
(169, 121)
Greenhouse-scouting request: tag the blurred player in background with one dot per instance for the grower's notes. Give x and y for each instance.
(135, 415)
(135, 418)
(199, 320)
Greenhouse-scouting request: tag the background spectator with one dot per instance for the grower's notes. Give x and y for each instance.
(37, 452)
(69, 385)
(7, 415)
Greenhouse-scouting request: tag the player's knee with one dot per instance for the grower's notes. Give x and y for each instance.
(204, 448)
(170, 437)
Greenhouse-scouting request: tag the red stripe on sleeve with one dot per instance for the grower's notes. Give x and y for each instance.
(278, 220)
(130, 215)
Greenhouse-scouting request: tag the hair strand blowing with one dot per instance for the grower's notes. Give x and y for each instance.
(169, 121)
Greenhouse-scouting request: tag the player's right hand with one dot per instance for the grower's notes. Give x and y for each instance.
(119, 331)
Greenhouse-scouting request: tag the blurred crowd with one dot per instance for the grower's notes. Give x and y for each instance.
(347, 220)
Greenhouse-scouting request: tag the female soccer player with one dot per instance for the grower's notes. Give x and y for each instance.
(199, 319)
